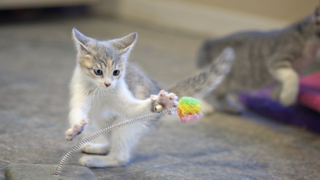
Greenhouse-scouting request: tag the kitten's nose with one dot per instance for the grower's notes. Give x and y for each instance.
(107, 84)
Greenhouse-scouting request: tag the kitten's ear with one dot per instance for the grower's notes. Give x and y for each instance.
(124, 45)
(80, 41)
(316, 15)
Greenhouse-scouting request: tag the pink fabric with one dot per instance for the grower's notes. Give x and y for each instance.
(311, 80)
(309, 94)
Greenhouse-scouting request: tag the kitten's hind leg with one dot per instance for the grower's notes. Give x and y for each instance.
(225, 105)
(289, 80)
(206, 107)
(99, 145)
(95, 148)
(121, 142)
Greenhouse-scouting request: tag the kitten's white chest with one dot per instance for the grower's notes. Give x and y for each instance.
(103, 104)
(106, 98)
(114, 99)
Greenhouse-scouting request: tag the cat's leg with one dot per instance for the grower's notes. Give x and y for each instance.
(219, 102)
(95, 148)
(122, 140)
(76, 129)
(100, 145)
(225, 105)
(289, 83)
(131, 107)
(80, 105)
(276, 92)
(206, 107)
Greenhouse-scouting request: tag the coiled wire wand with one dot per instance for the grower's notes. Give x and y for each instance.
(189, 110)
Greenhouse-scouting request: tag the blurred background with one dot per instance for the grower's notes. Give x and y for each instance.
(205, 17)
(37, 58)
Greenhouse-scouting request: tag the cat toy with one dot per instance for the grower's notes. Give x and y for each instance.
(189, 111)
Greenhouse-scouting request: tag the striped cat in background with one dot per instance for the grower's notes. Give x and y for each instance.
(264, 58)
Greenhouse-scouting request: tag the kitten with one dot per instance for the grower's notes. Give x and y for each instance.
(104, 79)
(263, 58)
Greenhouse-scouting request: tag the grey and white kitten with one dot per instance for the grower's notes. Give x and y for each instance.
(264, 58)
(104, 80)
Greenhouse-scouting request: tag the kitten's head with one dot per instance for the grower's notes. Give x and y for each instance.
(103, 62)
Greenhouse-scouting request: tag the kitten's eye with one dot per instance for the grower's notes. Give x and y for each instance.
(116, 72)
(98, 72)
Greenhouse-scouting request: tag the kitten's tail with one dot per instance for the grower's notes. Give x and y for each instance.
(207, 79)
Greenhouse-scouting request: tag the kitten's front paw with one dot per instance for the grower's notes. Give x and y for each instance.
(165, 99)
(76, 129)
(288, 98)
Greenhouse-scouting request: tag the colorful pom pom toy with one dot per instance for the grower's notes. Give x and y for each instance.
(189, 110)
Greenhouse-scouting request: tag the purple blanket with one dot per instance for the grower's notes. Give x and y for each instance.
(305, 113)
